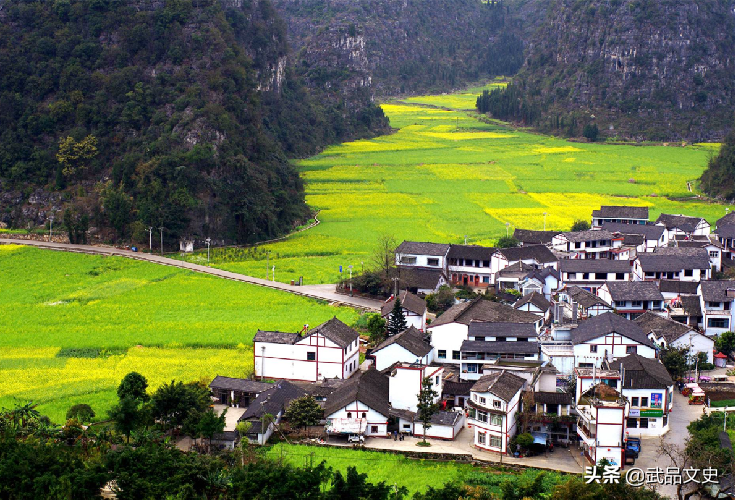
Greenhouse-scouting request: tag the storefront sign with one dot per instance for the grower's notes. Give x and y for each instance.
(656, 400)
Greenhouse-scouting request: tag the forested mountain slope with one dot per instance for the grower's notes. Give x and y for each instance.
(180, 113)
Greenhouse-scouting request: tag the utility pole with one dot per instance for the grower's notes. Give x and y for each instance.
(395, 287)
(545, 214)
(465, 239)
(161, 229)
(208, 241)
(150, 238)
(507, 228)
(267, 265)
(350, 266)
(273, 273)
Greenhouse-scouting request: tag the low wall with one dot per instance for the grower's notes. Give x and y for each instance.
(57, 238)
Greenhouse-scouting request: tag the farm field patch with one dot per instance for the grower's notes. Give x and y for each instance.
(445, 174)
(73, 325)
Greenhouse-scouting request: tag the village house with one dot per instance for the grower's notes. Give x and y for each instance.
(669, 333)
(412, 306)
(469, 265)
(237, 392)
(477, 356)
(633, 298)
(550, 411)
(685, 264)
(592, 244)
(511, 277)
(404, 384)
(408, 346)
(267, 410)
(609, 337)
(359, 406)
(331, 350)
(537, 256)
(602, 424)
(534, 303)
(620, 214)
(527, 237)
(422, 254)
(456, 392)
(726, 237)
(495, 399)
(650, 391)
(587, 304)
(450, 330)
(716, 303)
(709, 243)
(420, 281)
(653, 236)
(592, 274)
(444, 425)
(545, 281)
(682, 301)
(677, 224)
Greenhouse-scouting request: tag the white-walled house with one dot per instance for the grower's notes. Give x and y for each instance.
(422, 254)
(444, 425)
(716, 302)
(666, 332)
(621, 214)
(545, 281)
(709, 243)
(588, 304)
(671, 263)
(469, 265)
(359, 406)
(494, 402)
(602, 424)
(534, 303)
(591, 274)
(408, 346)
(591, 244)
(677, 224)
(633, 298)
(450, 329)
(609, 337)
(404, 384)
(413, 307)
(649, 389)
(273, 401)
(538, 256)
(331, 350)
(653, 236)
(477, 355)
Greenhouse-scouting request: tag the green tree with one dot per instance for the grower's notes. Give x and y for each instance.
(355, 485)
(591, 131)
(524, 440)
(719, 177)
(210, 424)
(81, 412)
(75, 156)
(725, 342)
(426, 405)
(117, 207)
(396, 319)
(376, 328)
(675, 361)
(127, 415)
(580, 225)
(133, 385)
(441, 300)
(173, 404)
(507, 242)
(303, 412)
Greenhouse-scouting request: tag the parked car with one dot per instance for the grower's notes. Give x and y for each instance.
(356, 438)
(630, 456)
(634, 445)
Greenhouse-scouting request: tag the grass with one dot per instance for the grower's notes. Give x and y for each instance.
(73, 325)
(445, 175)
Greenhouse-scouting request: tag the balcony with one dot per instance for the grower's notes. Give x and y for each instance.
(550, 418)
(585, 432)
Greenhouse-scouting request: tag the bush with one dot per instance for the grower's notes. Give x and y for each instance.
(440, 301)
(82, 413)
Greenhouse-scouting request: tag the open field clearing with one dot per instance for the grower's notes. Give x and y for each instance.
(71, 323)
(445, 174)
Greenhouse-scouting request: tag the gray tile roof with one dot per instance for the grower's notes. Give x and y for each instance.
(634, 290)
(480, 309)
(644, 373)
(534, 298)
(589, 235)
(540, 253)
(594, 266)
(276, 337)
(238, 384)
(409, 301)
(504, 347)
(453, 388)
(679, 287)
(552, 398)
(473, 252)
(683, 222)
(273, 400)
(726, 231)
(666, 262)
(500, 329)
(336, 331)
(503, 384)
(370, 388)
(649, 231)
(716, 291)
(516, 270)
(691, 305)
(633, 240)
(529, 236)
(423, 248)
(448, 418)
(620, 212)
(669, 329)
(410, 339)
(727, 220)
(542, 274)
(584, 298)
(609, 322)
(421, 278)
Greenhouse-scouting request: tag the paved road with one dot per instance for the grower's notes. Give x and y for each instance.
(321, 292)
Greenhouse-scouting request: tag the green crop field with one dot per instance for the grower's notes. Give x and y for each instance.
(416, 475)
(73, 325)
(445, 175)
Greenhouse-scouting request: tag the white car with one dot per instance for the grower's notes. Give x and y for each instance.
(356, 438)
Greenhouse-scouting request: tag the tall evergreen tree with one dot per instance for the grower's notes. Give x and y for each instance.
(396, 320)
(426, 405)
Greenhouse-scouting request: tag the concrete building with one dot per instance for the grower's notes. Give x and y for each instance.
(650, 391)
(408, 346)
(677, 224)
(404, 384)
(666, 333)
(671, 263)
(591, 244)
(602, 424)
(359, 406)
(592, 274)
(493, 403)
(716, 302)
(413, 307)
(608, 337)
(653, 236)
(469, 265)
(633, 298)
(619, 214)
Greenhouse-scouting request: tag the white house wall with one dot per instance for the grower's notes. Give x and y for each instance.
(448, 337)
(395, 353)
(404, 385)
(440, 431)
(615, 345)
(699, 343)
(377, 423)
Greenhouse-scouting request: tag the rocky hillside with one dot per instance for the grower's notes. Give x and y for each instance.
(116, 115)
(641, 69)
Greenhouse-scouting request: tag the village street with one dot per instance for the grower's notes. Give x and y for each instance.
(321, 292)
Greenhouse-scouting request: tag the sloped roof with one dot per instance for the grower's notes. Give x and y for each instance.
(422, 278)
(474, 252)
(480, 309)
(691, 305)
(588, 235)
(448, 418)
(620, 212)
(370, 388)
(503, 384)
(716, 291)
(633, 240)
(457, 388)
(542, 274)
(501, 329)
(605, 323)
(423, 248)
(238, 384)
(500, 347)
(553, 398)
(409, 301)
(517, 270)
(678, 286)
(667, 328)
(273, 400)
(683, 222)
(644, 373)
(633, 290)
(410, 339)
(594, 266)
(336, 331)
(726, 231)
(655, 262)
(727, 220)
(534, 298)
(539, 253)
(649, 231)
(585, 298)
(529, 236)
(276, 337)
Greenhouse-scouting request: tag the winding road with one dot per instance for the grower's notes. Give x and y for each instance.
(320, 292)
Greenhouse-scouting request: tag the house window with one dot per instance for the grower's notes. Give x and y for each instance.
(500, 339)
(726, 306)
(619, 303)
(481, 339)
(373, 429)
(406, 259)
(311, 356)
(714, 254)
(644, 401)
(437, 380)
(600, 276)
(472, 413)
(650, 275)
(432, 262)
(480, 438)
(688, 272)
(637, 304)
(364, 415)
(496, 420)
(643, 423)
(442, 353)
(656, 304)
(632, 423)
(631, 349)
(714, 305)
(585, 276)
(585, 365)
(406, 426)
(496, 404)
(619, 276)
(485, 263)
(482, 416)
(474, 397)
(482, 401)
(472, 368)
(495, 442)
(634, 402)
(718, 323)
(455, 354)
(593, 348)
(349, 414)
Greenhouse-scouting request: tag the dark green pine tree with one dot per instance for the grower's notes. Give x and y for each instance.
(426, 405)
(396, 320)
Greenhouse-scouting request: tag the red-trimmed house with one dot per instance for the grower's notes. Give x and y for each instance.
(359, 406)
(494, 402)
(413, 307)
(331, 350)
